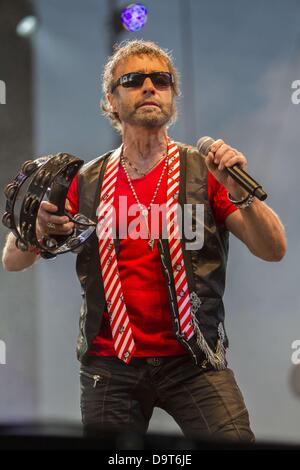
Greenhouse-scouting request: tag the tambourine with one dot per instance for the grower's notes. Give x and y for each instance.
(46, 178)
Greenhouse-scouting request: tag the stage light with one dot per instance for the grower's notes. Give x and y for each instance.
(27, 26)
(134, 17)
(18, 17)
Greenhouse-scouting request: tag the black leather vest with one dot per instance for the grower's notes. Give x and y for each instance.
(205, 266)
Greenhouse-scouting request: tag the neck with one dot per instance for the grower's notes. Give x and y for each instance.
(144, 146)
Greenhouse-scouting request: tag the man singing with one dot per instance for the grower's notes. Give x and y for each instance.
(152, 320)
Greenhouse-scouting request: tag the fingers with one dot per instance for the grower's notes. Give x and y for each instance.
(239, 160)
(59, 229)
(68, 205)
(226, 156)
(212, 167)
(216, 145)
(48, 206)
(209, 160)
(48, 223)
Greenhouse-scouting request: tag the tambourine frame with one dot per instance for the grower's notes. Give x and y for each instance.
(11, 192)
(51, 177)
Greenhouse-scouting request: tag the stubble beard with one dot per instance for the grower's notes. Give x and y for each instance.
(149, 117)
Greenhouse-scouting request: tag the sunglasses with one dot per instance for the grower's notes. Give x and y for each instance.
(160, 80)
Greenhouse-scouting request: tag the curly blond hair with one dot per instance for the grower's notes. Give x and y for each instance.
(124, 50)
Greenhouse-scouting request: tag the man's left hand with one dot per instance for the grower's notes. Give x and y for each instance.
(219, 157)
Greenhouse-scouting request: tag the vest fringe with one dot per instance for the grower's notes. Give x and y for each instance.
(217, 358)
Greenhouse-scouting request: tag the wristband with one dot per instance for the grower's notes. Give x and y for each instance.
(242, 203)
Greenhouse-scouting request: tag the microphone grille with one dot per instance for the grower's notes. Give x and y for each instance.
(203, 145)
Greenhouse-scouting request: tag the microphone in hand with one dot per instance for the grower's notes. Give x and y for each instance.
(237, 173)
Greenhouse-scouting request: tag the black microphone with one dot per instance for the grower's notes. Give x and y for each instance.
(239, 175)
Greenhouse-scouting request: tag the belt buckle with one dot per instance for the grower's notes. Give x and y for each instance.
(154, 361)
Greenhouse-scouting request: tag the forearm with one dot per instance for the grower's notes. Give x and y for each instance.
(14, 259)
(264, 233)
(257, 225)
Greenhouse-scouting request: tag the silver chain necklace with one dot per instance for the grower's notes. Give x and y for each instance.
(145, 211)
(139, 172)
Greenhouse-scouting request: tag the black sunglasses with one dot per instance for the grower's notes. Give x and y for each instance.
(136, 79)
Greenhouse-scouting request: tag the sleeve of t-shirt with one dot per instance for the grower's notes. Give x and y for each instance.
(218, 199)
(72, 196)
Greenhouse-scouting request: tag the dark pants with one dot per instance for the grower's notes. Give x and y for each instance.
(204, 403)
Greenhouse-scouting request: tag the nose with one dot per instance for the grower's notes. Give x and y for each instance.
(148, 86)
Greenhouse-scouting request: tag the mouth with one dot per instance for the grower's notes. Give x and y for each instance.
(149, 103)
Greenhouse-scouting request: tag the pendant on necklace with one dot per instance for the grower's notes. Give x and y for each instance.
(151, 244)
(145, 212)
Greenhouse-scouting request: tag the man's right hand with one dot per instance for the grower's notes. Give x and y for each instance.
(51, 224)
(14, 259)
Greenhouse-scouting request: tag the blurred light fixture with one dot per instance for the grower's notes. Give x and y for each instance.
(27, 26)
(134, 17)
(18, 17)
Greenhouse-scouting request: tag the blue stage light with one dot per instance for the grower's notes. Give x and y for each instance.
(134, 16)
(27, 26)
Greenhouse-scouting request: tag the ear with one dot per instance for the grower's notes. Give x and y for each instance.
(113, 102)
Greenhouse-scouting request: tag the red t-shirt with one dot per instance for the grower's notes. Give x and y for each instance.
(142, 278)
